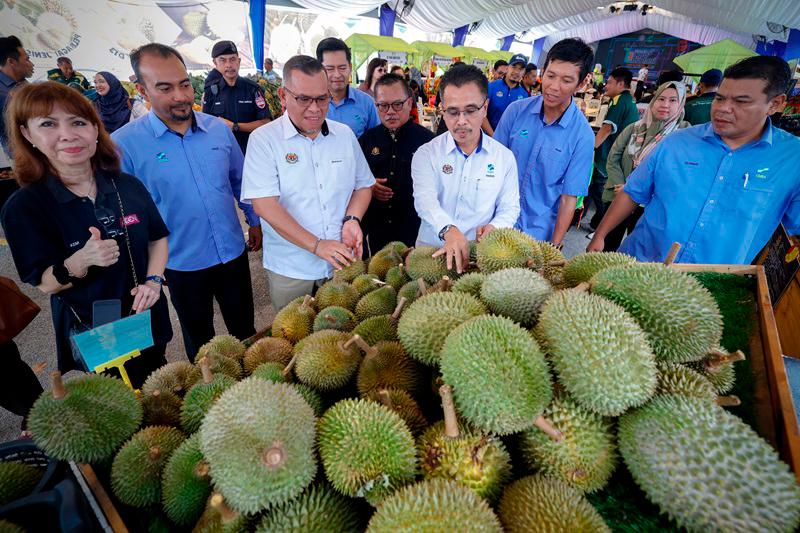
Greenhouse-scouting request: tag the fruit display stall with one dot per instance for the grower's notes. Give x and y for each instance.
(530, 393)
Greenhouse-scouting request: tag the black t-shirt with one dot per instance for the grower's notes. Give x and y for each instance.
(242, 102)
(389, 157)
(45, 223)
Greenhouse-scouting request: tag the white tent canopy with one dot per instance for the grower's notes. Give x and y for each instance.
(702, 21)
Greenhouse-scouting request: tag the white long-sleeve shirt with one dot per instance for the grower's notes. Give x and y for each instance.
(466, 191)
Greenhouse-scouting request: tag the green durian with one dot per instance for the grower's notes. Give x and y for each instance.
(367, 450)
(185, 483)
(219, 364)
(137, 467)
(706, 469)
(318, 509)
(259, 440)
(583, 267)
(218, 517)
(598, 351)
(17, 480)
(377, 328)
(366, 283)
(161, 408)
(381, 301)
(680, 317)
(386, 366)
(398, 246)
(295, 321)
(402, 403)
(538, 503)
(424, 326)
(547, 261)
(226, 345)
(505, 248)
(85, 419)
(674, 378)
(177, 378)
(420, 264)
(273, 372)
(470, 284)
(516, 293)
(436, 505)
(718, 368)
(202, 396)
(267, 349)
(350, 272)
(396, 277)
(338, 294)
(335, 317)
(584, 458)
(380, 263)
(499, 376)
(326, 360)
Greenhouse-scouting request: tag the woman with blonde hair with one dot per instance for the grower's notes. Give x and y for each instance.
(663, 116)
(79, 229)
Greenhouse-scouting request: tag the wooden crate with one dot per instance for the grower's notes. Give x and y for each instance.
(777, 419)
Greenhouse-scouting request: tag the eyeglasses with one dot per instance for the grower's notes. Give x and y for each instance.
(469, 112)
(305, 101)
(397, 106)
(107, 219)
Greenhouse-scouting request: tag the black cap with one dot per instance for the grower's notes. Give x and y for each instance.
(223, 48)
(711, 78)
(518, 58)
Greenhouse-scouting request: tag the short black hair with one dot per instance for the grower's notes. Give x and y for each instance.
(63, 59)
(152, 49)
(622, 74)
(391, 79)
(333, 44)
(573, 51)
(9, 49)
(305, 64)
(773, 70)
(499, 63)
(669, 75)
(462, 74)
(530, 67)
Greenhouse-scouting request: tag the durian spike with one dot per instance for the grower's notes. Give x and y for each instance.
(728, 401)
(226, 513)
(205, 368)
(399, 308)
(559, 263)
(545, 425)
(154, 452)
(274, 456)
(582, 287)
(673, 253)
(719, 358)
(450, 418)
(307, 301)
(368, 350)
(58, 386)
(202, 469)
(386, 400)
(423, 289)
(287, 372)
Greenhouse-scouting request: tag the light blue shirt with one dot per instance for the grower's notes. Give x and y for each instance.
(313, 180)
(552, 159)
(721, 205)
(500, 97)
(193, 180)
(357, 110)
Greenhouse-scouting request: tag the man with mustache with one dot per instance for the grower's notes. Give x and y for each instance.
(192, 166)
(237, 101)
(465, 182)
(553, 144)
(722, 188)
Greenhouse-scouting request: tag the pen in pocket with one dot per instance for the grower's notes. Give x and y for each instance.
(746, 179)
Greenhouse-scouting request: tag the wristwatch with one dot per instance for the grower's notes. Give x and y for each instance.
(235, 126)
(351, 217)
(61, 274)
(155, 279)
(444, 231)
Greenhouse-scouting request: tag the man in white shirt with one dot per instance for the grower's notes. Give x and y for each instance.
(465, 182)
(310, 183)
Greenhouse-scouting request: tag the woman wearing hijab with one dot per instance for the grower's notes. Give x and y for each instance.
(114, 105)
(375, 69)
(663, 116)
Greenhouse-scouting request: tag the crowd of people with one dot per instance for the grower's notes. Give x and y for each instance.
(117, 199)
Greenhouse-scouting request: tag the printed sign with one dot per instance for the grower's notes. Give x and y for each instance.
(780, 263)
(394, 58)
(109, 341)
(480, 63)
(443, 62)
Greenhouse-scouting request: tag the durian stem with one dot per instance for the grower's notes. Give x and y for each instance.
(450, 418)
(447, 284)
(582, 287)
(719, 358)
(406, 252)
(386, 399)
(378, 282)
(287, 372)
(356, 339)
(728, 401)
(307, 300)
(530, 263)
(154, 452)
(226, 513)
(423, 289)
(673, 253)
(202, 470)
(274, 456)
(545, 425)
(58, 386)
(399, 308)
(205, 368)
(558, 263)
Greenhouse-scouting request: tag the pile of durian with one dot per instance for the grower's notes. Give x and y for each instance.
(385, 403)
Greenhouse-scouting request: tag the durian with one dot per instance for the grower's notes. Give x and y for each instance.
(366, 283)
(350, 272)
(470, 284)
(380, 263)
(320, 508)
(334, 317)
(177, 378)
(420, 264)
(381, 301)
(17, 480)
(583, 267)
(516, 293)
(381, 328)
(396, 277)
(338, 294)
(267, 349)
(295, 321)
(385, 365)
(185, 483)
(202, 396)
(505, 248)
(226, 345)
(402, 403)
(326, 360)
(161, 408)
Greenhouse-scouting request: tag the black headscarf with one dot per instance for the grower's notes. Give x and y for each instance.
(114, 109)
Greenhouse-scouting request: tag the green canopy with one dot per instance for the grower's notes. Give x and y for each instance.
(719, 55)
(471, 53)
(502, 54)
(429, 49)
(363, 45)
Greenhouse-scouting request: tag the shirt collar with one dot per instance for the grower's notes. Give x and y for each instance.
(537, 108)
(399, 131)
(7, 80)
(160, 128)
(452, 145)
(765, 138)
(290, 130)
(64, 195)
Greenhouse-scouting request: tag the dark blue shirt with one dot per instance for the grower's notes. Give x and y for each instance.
(6, 84)
(241, 103)
(500, 97)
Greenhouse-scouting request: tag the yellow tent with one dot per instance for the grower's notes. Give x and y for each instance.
(396, 50)
(477, 56)
(442, 54)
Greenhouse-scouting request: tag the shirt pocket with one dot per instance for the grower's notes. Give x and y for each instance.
(484, 192)
(216, 164)
(555, 159)
(751, 202)
(341, 170)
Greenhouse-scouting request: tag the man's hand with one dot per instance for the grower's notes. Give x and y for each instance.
(618, 187)
(381, 192)
(483, 231)
(457, 249)
(226, 121)
(254, 238)
(145, 296)
(597, 244)
(353, 238)
(336, 253)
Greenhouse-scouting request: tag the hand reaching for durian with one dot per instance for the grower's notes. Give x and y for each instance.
(457, 249)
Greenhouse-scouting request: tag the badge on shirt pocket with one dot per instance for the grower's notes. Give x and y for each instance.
(447, 169)
(499, 94)
(291, 158)
(490, 170)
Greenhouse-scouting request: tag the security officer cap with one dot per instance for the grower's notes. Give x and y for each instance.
(223, 48)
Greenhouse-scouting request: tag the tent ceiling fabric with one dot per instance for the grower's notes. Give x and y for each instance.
(544, 17)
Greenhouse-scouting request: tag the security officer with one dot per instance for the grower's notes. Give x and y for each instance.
(239, 102)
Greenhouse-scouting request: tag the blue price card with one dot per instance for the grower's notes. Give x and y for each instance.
(109, 341)
(793, 375)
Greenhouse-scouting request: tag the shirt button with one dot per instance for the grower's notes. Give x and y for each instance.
(730, 154)
(721, 178)
(392, 157)
(320, 185)
(323, 208)
(711, 201)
